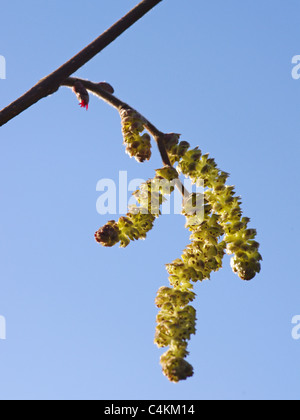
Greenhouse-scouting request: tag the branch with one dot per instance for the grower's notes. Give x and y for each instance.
(96, 89)
(50, 84)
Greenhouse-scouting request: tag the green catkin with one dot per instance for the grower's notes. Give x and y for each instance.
(137, 145)
(216, 225)
(140, 219)
(222, 228)
(202, 256)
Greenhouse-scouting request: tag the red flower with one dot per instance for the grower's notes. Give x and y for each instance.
(84, 104)
(82, 94)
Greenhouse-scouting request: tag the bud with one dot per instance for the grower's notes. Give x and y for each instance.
(82, 94)
(107, 87)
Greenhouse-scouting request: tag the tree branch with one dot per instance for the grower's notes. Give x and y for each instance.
(51, 83)
(96, 89)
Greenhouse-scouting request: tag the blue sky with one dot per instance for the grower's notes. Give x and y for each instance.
(80, 319)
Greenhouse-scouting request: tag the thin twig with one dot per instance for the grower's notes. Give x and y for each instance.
(96, 89)
(51, 83)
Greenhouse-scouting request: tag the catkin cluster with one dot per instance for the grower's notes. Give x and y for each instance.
(214, 219)
(137, 145)
(217, 226)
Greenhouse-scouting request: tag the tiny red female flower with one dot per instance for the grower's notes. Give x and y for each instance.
(84, 104)
(82, 94)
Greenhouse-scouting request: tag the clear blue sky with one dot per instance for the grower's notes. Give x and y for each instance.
(80, 318)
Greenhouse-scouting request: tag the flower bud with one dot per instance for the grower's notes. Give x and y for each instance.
(107, 87)
(82, 94)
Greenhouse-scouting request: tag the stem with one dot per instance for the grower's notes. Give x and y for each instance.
(116, 103)
(51, 83)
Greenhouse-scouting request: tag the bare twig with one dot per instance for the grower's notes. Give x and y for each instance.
(96, 89)
(51, 83)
